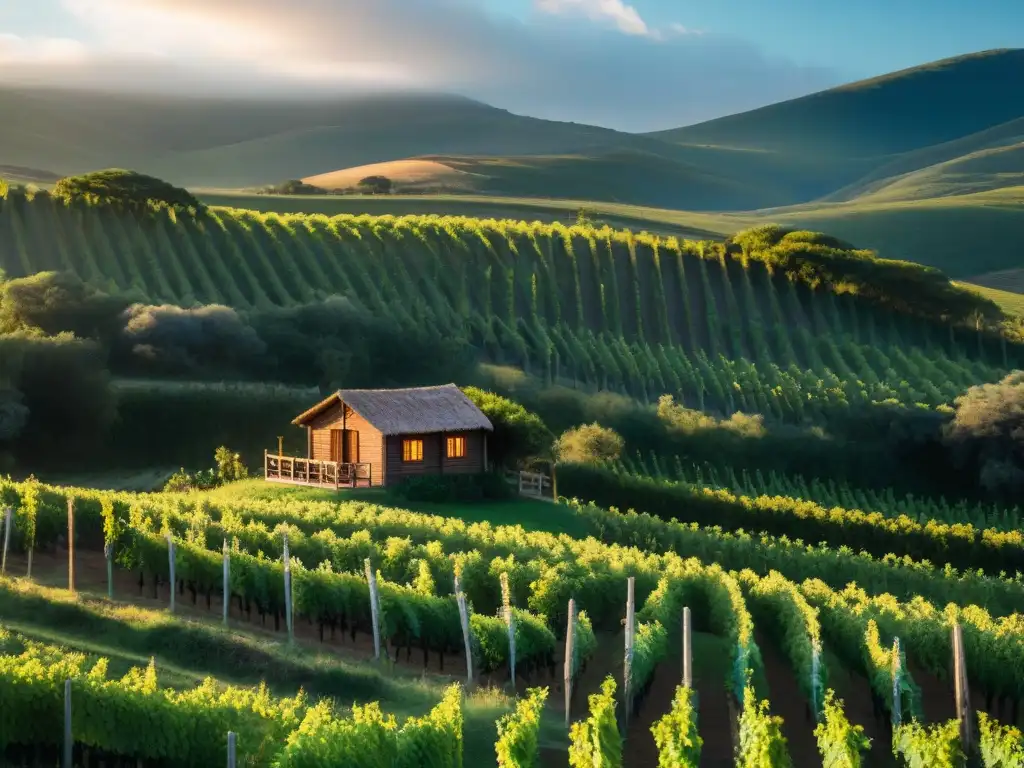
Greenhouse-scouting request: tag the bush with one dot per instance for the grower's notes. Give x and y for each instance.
(589, 444)
(454, 488)
(124, 189)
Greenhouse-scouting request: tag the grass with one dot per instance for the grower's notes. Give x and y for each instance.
(140, 481)
(531, 514)
(1011, 301)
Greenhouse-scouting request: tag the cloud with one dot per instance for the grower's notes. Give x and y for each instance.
(625, 17)
(617, 71)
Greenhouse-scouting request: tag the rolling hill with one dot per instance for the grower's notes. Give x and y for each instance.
(639, 177)
(896, 113)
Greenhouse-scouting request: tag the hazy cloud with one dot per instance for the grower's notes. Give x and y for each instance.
(625, 17)
(593, 61)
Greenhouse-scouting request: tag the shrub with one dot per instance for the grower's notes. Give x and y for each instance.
(589, 444)
(454, 488)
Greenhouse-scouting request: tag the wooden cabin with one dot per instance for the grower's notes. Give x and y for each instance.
(375, 437)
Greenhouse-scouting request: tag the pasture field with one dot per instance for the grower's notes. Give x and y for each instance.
(768, 626)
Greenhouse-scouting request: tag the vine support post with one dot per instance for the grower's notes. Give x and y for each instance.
(371, 579)
(71, 544)
(816, 692)
(627, 671)
(108, 554)
(897, 674)
(171, 562)
(68, 743)
(460, 597)
(570, 657)
(232, 749)
(506, 597)
(7, 525)
(227, 582)
(288, 591)
(962, 691)
(687, 651)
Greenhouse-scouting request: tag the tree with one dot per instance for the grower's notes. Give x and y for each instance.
(519, 435)
(986, 435)
(58, 302)
(125, 189)
(589, 444)
(377, 185)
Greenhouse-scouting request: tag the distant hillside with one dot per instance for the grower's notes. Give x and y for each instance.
(949, 158)
(896, 113)
(197, 141)
(642, 178)
(21, 175)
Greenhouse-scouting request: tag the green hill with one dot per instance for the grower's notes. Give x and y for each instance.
(235, 143)
(887, 115)
(640, 177)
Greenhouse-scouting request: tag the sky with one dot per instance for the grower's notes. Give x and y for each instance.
(628, 64)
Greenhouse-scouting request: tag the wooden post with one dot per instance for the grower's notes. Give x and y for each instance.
(627, 674)
(8, 521)
(687, 651)
(227, 582)
(506, 598)
(280, 446)
(460, 597)
(232, 749)
(963, 702)
(266, 464)
(71, 544)
(68, 743)
(897, 673)
(371, 579)
(554, 483)
(570, 660)
(170, 563)
(108, 553)
(288, 591)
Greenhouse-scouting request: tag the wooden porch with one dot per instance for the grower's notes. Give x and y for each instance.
(316, 472)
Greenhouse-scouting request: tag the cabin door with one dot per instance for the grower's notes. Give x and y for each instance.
(337, 444)
(351, 447)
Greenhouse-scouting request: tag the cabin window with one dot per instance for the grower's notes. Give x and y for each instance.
(456, 447)
(412, 450)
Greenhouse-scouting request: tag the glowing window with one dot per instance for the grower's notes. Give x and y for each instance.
(456, 447)
(412, 450)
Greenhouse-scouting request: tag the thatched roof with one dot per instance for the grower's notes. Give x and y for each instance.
(417, 410)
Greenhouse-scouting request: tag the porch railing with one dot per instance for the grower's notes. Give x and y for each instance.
(298, 471)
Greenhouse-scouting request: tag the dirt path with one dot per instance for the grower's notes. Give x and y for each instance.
(787, 700)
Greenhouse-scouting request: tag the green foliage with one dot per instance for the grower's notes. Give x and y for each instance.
(762, 744)
(590, 443)
(596, 741)
(841, 744)
(517, 745)
(294, 187)
(123, 189)
(518, 436)
(1001, 746)
(461, 488)
(825, 262)
(230, 467)
(55, 302)
(958, 544)
(376, 185)
(679, 743)
(935, 746)
(986, 434)
(193, 722)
